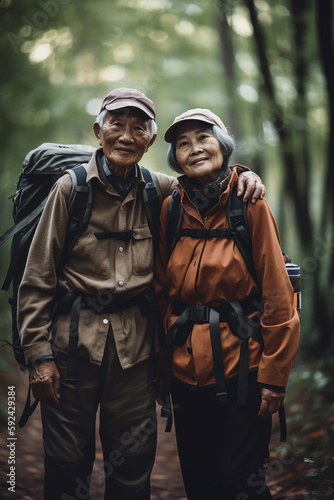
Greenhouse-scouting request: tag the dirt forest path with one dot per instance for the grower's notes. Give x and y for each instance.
(166, 475)
(286, 481)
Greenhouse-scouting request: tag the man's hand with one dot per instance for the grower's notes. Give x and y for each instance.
(271, 402)
(251, 186)
(45, 382)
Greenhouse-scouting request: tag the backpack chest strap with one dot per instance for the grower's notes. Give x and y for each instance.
(125, 235)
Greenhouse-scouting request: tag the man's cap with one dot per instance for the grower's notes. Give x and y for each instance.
(124, 98)
(203, 115)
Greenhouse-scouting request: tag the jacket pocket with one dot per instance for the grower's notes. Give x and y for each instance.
(142, 250)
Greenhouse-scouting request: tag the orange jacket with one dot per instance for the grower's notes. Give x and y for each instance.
(213, 272)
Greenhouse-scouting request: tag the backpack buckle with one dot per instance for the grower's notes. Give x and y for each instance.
(199, 314)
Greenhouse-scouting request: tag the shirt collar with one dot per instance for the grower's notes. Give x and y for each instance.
(121, 188)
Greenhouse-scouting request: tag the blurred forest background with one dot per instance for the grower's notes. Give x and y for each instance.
(265, 67)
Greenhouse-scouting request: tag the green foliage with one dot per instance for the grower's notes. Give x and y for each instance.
(310, 410)
(322, 478)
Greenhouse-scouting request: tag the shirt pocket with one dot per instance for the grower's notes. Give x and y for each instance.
(142, 250)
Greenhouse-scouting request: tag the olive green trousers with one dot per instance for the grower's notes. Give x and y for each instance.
(128, 431)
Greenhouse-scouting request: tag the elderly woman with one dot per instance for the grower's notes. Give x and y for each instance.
(231, 333)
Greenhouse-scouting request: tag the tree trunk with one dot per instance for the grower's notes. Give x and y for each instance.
(325, 287)
(326, 46)
(295, 187)
(301, 12)
(227, 59)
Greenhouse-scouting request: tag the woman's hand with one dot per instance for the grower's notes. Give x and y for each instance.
(271, 402)
(251, 186)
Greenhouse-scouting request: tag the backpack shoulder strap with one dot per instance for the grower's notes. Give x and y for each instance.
(238, 222)
(152, 203)
(175, 214)
(79, 209)
(30, 219)
(16, 228)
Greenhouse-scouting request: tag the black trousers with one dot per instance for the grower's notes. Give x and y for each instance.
(223, 447)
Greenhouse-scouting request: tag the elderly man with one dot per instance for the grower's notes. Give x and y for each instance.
(112, 276)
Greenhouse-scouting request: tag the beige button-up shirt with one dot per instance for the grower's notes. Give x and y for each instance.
(123, 268)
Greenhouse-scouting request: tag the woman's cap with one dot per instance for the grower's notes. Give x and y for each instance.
(203, 115)
(125, 98)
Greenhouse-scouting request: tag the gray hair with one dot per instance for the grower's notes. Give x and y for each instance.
(100, 120)
(226, 141)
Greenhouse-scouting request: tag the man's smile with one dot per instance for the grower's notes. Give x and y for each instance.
(124, 150)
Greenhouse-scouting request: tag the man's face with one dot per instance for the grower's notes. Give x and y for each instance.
(124, 136)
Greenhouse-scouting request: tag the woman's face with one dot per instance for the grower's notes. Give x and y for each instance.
(198, 152)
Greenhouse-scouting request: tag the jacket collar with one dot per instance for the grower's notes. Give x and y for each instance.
(224, 194)
(205, 197)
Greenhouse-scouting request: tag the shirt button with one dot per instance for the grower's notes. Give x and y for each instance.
(120, 249)
(105, 321)
(121, 283)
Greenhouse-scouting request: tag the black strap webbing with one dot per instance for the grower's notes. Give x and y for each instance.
(217, 354)
(167, 363)
(27, 410)
(175, 214)
(19, 226)
(79, 208)
(238, 222)
(23, 223)
(125, 235)
(240, 325)
(152, 203)
(282, 423)
(244, 328)
(177, 335)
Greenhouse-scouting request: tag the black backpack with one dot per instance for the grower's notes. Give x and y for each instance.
(41, 168)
